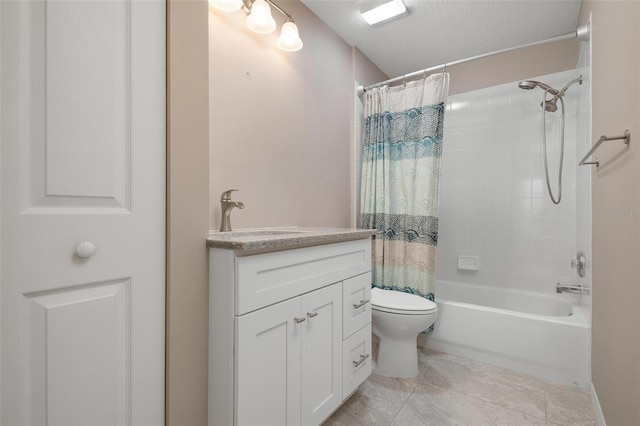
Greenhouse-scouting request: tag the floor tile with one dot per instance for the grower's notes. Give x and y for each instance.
(343, 417)
(492, 385)
(379, 399)
(570, 406)
(433, 405)
(451, 390)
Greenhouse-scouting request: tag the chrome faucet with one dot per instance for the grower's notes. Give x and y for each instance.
(226, 205)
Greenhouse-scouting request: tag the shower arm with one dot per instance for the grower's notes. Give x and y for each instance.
(569, 84)
(557, 94)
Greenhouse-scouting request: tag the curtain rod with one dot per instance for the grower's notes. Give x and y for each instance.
(582, 34)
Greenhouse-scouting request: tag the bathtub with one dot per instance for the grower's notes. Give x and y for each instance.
(543, 335)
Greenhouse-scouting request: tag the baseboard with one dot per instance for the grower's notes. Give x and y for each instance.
(596, 406)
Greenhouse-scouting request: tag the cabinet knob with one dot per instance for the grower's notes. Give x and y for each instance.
(299, 320)
(312, 314)
(85, 249)
(360, 305)
(361, 360)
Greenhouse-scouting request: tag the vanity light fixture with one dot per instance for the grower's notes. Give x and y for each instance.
(289, 39)
(261, 21)
(227, 5)
(375, 12)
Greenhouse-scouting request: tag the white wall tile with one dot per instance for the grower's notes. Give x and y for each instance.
(494, 201)
(544, 246)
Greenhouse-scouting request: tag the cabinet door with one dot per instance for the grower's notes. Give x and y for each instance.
(321, 353)
(268, 365)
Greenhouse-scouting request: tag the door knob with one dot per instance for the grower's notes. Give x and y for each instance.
(85, 250)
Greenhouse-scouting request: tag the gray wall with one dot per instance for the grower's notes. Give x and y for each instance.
(282, 123)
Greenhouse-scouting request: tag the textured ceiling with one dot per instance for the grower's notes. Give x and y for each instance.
(440, 31)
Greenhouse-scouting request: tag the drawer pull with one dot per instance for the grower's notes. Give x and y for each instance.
(361, 360)
(360, 305)
(299, 320)
(312, 314)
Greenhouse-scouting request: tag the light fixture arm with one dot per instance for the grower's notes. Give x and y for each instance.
(248, 3)
(260, 21)
(279, 9)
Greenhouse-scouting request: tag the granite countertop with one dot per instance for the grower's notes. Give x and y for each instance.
(262, 240)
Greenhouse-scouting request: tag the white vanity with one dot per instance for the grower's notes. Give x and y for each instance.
(289, 323)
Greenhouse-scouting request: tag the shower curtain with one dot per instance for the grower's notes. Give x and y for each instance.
(402, 147)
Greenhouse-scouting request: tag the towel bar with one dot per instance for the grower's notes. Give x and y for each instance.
(603, 138)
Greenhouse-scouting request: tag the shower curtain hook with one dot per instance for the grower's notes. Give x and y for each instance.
(444, 77)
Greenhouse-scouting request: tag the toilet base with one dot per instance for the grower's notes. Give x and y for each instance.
(397, 358)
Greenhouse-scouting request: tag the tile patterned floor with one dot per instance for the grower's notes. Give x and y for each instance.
(456, 391)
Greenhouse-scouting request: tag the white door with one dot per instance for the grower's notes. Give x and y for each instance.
(267, 352)
(321, 353)
(83, 161)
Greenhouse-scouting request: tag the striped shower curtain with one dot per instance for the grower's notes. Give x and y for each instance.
(402, 147)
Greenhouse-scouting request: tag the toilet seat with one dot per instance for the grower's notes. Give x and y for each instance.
(397, 302)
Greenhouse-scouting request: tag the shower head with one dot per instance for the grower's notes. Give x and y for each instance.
(527, 85)
(547, 104)
(550, 105)
(532, 84)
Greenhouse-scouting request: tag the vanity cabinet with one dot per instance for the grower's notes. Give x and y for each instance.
(290, 332)
(287, 359)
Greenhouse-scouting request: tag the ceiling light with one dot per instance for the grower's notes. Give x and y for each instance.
(381, 12)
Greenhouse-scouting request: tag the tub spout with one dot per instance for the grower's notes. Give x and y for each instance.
(579, 288)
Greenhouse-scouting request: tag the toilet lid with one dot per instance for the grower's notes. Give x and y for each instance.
(398, 301)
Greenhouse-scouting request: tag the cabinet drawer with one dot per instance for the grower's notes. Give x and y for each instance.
(356, 299)
(265, 279)
(356, 360)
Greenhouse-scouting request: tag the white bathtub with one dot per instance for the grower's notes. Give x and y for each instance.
(543, 335)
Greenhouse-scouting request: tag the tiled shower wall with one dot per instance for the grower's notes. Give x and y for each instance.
(494, 202)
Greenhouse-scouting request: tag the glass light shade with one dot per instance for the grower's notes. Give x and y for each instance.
(384, 12)
(260, 19)
(289, 39)
(226, 5)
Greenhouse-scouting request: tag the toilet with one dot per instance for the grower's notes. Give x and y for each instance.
(398, 318)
